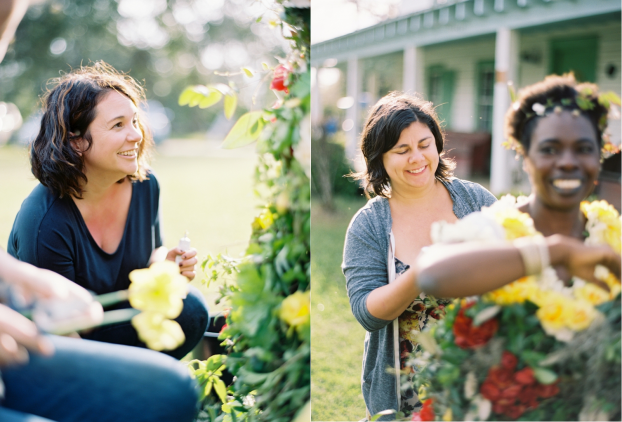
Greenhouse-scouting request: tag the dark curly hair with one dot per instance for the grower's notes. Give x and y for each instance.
(68, 110)
(387, 119)
(554, 93)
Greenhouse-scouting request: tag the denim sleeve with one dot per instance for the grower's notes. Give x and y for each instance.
(365, 268)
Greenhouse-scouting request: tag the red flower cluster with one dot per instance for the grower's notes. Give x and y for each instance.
(513, 392)
(469, 336)
(281, 72)
(426, 413)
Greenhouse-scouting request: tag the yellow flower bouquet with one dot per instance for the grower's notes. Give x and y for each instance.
(535, 349)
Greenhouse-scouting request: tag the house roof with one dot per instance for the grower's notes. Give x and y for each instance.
(459, 20)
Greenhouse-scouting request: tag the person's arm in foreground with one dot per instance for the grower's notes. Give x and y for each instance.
(470, 269)
(18, 335)
(467, 270)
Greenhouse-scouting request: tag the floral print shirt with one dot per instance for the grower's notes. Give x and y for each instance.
(414, 319)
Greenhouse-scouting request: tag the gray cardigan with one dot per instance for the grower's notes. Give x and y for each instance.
(365, 257)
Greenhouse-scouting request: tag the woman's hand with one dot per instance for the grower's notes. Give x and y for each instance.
(186, 266)
(18, 335)
(581, 260)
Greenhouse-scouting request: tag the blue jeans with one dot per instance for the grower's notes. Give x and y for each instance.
(194, 319)
(98, 382)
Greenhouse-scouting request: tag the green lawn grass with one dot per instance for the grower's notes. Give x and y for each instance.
(203, 189)
(336, 337)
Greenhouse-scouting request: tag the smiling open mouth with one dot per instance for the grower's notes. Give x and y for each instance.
(130, 153)
(417, 171)
(567, 184)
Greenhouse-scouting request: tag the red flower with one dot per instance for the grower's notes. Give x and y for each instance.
(508, 360)
(546, 391)
(511, 392)
(501, 377)
(529, 396)
(469, 336)
(525, 376)
(281, 72)
(489, 391)
(515, 412)
(427, 411)
(224, 327)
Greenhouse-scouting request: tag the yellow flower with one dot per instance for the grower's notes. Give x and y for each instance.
(579, 315)
(517, 292)
(603, 225)
(158, 332)
(552, 312)
(516, 223)
(295, 309)
(592, 294)
(159, 288)
(448, 416)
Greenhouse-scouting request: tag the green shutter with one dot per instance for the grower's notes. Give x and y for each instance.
(441, 83)
(578, 55)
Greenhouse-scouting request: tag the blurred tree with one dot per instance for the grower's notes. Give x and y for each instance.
(167, 44)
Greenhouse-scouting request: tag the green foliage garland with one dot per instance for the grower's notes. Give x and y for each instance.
(268, 330)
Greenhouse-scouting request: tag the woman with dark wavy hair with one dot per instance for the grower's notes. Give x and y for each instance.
(403, 146)
(95, 216)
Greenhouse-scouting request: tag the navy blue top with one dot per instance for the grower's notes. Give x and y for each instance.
(49, 232)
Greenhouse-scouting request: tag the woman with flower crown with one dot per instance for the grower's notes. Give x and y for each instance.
(542, 339)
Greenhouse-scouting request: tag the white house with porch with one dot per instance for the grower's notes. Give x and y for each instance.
(461, 55)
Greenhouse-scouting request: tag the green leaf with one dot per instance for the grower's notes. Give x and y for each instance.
(231, 102)
(259, 19)
(212, 97)
(545, 376)
(186, 96)
(221, 390)
(245, 131)
(248, 72)
(208, 388)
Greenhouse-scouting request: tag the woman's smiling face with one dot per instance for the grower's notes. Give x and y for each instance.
(413, 160)
(116, 137)
(563, 160)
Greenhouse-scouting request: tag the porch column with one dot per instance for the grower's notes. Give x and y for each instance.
(413, 70)
(352, 114)
(506, 61)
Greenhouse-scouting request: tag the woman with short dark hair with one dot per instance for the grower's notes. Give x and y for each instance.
(95, 216)
(403, 146)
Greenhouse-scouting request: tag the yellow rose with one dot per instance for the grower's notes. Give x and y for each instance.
(159, 288)
(552, 312)
(295, 309)
(516, 292)
(158, 332)
(604, 223)
(516, 223)
(592, 294)
(579, 315)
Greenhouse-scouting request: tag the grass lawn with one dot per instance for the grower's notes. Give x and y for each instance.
(205, 190)
(336, 337)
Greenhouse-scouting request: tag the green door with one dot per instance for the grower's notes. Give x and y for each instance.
(441, 92)
(578, 55)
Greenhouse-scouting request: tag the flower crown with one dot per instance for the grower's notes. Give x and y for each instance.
(585, 102)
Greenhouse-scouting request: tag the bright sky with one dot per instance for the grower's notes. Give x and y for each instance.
(333, 18)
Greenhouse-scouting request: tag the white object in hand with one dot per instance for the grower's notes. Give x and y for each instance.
(184, 245)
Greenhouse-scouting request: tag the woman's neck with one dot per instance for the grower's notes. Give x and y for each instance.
(414, 197)
(549, 221)
(97, 190)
